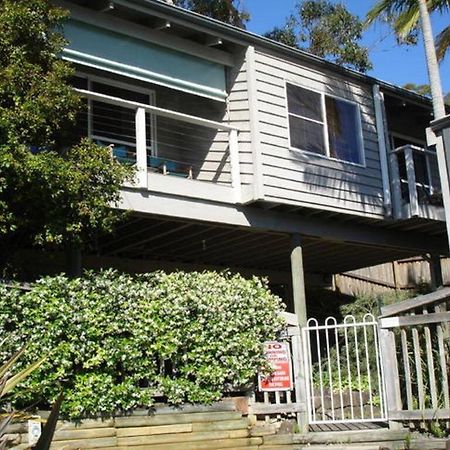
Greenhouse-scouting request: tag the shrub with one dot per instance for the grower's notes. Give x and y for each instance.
(117, 340)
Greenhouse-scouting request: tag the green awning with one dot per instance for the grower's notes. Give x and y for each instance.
(116, 52)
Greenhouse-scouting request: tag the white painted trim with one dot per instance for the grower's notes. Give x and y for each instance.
(194, 189)
(157, 111)
(383, 149)
(141, 148)
(326, 136)
(437, 139)
(143, 33)
(258, 180)
(233, 146)
(136, 73)
(116, 83)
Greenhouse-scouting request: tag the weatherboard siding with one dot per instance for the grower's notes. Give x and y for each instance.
(304, 179)
(238, 115)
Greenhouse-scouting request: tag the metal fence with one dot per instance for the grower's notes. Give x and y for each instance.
(344, 371)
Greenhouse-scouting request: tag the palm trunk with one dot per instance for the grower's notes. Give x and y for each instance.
(432, 64)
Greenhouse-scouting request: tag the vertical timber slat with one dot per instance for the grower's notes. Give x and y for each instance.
(299, 297)
(391, 373)
(430, 364)
(407, 369)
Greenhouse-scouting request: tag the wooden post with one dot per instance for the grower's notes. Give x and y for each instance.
(383, 148)
(299, 299)
(141, 148)
(298, 280)
(391, 374)
(436, 280)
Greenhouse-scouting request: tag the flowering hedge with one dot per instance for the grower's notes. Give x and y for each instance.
(114, 341)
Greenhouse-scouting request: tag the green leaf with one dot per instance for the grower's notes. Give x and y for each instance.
(12, 382)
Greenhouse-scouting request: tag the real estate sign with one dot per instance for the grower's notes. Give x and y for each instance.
(279, 357)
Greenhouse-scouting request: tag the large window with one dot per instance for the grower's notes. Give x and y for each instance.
(324, 125)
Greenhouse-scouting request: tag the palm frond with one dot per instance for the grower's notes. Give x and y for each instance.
(12, 382)
(407, 21)
(443, 43)
(7, 366)
(382, 8)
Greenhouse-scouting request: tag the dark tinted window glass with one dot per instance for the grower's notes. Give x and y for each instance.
(342, 130)
(420, 168)
(125, 94)
(304, 103)
(306, 135)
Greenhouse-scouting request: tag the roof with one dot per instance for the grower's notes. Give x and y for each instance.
(241, 35)
(244, 37)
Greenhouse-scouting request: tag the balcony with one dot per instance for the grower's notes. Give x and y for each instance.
(174, 153)
(416, 183)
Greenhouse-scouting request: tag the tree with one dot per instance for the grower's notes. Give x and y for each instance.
(228, 11)
(405, 16)
(422, 89)
(327, 30)
(53, 189)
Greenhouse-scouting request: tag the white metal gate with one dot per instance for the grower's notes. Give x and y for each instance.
(344, 371)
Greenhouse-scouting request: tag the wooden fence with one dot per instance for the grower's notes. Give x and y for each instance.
(414, 337)
(388, 277)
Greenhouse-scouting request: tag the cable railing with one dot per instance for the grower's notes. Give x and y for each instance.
(416, 180)
(162, 141)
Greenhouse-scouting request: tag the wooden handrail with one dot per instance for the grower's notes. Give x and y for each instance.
(418, 302)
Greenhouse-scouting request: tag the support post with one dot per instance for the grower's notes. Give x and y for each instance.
(383, 148)
(298, 280)
(434, 260)
(438, 135)
(393, 400)
(299, 300)
(141, 148)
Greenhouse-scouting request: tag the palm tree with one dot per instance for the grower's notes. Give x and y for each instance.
(405, 15)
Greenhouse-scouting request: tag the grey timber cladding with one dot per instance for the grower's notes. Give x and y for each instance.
(238, 115)
(300, 178)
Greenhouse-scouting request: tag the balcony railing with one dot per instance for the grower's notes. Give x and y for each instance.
(416, 183)
(164, 142)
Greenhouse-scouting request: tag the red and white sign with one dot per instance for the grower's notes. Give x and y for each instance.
(277, 353)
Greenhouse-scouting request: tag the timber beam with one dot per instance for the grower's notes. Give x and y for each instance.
(146, 202)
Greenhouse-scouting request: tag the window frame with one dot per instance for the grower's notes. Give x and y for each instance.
(127, 86)
(327, 155)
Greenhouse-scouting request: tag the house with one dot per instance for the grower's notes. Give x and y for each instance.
(251, 155)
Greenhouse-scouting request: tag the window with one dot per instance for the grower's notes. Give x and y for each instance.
(324, 125)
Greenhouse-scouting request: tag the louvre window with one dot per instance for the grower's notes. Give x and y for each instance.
(324, 125)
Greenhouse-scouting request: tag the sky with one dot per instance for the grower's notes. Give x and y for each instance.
(392, 63)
